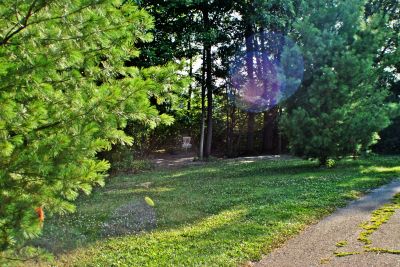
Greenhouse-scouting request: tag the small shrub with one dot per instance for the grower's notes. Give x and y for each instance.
(330, 163)
(130, 165)
(124, 160)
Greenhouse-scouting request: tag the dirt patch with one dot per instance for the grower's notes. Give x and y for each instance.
(167, 161)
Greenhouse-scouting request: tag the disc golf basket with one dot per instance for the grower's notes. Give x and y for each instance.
(186, 143)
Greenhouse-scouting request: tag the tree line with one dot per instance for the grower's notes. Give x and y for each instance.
(347, 94)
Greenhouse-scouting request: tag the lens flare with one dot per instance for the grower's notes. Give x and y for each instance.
(266, 72)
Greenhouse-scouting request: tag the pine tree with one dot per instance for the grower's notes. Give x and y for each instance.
(66, 94)
(385, 16)
(340, 109)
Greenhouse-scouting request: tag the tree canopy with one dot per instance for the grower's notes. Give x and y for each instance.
(66, 94)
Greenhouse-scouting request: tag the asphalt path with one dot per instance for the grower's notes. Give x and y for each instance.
(316, 245)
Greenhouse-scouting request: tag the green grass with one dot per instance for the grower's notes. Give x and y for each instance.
(219, 214)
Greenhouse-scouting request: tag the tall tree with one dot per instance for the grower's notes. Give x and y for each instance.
(208, 81)
(250, 73)
(385, 16)
(204, 23)
(65, 95)
(332, 116)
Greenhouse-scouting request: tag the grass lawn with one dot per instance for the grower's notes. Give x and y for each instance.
(219, 214)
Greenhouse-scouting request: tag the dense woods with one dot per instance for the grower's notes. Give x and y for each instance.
(350, 73)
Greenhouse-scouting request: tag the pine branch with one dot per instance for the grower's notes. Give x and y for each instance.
(22, 26)
(31, 12)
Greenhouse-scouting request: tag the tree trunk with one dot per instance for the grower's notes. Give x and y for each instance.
(206, 21)
(268, 131)
(251, 119)
(250, 74)
(228, 125)
(203, 109)
(231, 149)
(279, 148)
(190, 85)
(209, 103)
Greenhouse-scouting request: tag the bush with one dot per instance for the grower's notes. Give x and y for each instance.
(330, 163)
(124, 160)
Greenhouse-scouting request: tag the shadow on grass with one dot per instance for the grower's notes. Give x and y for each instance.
(219, 239)
(272, 200)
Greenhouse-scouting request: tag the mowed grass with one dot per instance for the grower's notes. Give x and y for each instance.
(219, 214)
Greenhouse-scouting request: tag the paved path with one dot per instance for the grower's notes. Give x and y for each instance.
(316, 245)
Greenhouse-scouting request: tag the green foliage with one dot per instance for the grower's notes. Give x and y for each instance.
(389, 142)
(341, 107)
(65, 95)
(330, 163)
(218, 214)
(388, 61)
(124, 159)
